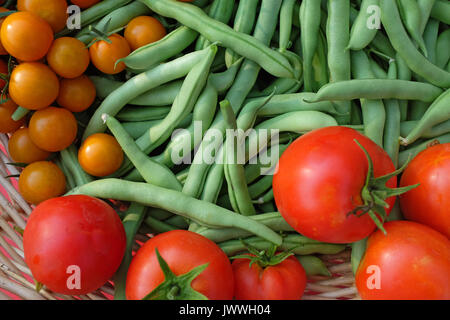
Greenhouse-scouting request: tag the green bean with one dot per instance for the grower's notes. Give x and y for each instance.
(392, 127)
(278, 86)
(273, 220)
(131, 223)
(441, 11)
(95, 12)
(254, 169)
(417, 63)
(115, 20)
(319, 64)
(178, 222)
(272, 61)
(358, 251)
(286, 15)
(164, 95)
(244, 22)
(156, 52)
(20, 113)
(314, 266)
(159, 214)
(430, 39)
(310, 15)
(151, 171)
(221, 10)
(417, 109)
(377, 70)
(135, 114)
(437, 113)
(69, 157)
(410, 12)
(403, 73)
(373, 111)
(443, 49)
(268, 196)
(104, 86)
(140, 84)
(261, 186)
(70, 180)
(377, 89)
(412, 152)
(296, 244)
(245, 80)
(361, 35)
(157, 225)
(425, 7)
(138, 128)
(382, 44)
(200, 211)
(438, 130)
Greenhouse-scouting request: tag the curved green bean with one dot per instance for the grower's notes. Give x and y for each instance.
(410, 153)
(137, 114)
(313, 266)
(441, 11)
(443, 49)
(411, 15)
(361, 35)
(442, 128)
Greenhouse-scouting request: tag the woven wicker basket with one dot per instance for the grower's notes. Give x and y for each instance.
(16, 280)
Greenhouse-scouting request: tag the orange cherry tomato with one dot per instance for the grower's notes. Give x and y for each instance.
(83, 4)
(52, 11)
(26, 36)
(53, 129)
(8, 125)
(68, 57)
(3, 70)
(33, 85)
(100, 155)
(41, 181)
(143, 30)
(104, 55)
(23, 150)
(76, 94)
(2, 49)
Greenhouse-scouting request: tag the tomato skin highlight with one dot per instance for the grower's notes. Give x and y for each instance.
(182, 250)
(319, 181)
(78, 231)
(429, 203)
(413, 262)
(285, 281)
(26, 36)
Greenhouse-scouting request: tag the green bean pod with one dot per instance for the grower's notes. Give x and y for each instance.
(140, 84)
(200, 211)
(286, 15)
(272, 220)
(443, 49)
(437, 113)
(377, 89)
(97, 11)
(425, 7)
(296, 244)
(390, 17)
(411, 15)
(361, 35)
(313, 266)
(137, 114)
(69, 157)
(403, 73)
(270, 60)
(410, 153)
(151, 171)
(441, 11)
(438, 130)
(20, 113)
(115, 20)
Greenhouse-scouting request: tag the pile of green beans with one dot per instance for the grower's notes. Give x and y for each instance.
(255, 66)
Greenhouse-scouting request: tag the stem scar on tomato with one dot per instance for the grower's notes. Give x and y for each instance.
(374, 193)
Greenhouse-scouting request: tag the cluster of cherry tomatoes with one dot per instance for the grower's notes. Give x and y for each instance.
(47, 76)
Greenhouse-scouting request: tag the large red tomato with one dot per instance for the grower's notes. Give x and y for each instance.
(183, 251)
(411, 262)
(430, 202)
(319, 182)
(74, 244)
(284, 281)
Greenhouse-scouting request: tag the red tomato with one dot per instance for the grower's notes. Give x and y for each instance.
(183, 251)
(412, 262)
(73, 233)
(84, 4)
(285, 281)
(319, 182)
(430, 202)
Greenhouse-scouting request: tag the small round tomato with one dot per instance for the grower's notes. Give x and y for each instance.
(40, 181)
(3, 70)
(53, 129)
(319, 184)
(2, 49)
(33, 85)
(52, 11)
(183, 251)
(68, 57)
(76, 94)
(284, 281)
(26, 36)
(23, 150)
(8, 125)
(100, 155)
(429, 203)
(73, 244)
(411, 262)
(143, 30)
(84, 4)
(104, 55)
